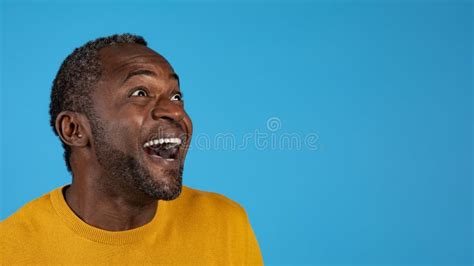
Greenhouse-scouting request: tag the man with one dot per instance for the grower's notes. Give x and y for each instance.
(117, 108)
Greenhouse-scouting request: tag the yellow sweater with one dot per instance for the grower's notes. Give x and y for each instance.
(198, 228)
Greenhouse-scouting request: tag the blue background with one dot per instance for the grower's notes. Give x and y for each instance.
(386, 86)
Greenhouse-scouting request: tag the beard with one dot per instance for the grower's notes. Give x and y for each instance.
(125, 168)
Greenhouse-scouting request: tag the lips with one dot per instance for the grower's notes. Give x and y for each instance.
(165, 145)
(166, 148)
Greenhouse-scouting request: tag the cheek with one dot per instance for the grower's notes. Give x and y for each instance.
(125, 129)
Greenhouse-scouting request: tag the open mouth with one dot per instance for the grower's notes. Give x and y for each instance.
(166, 148)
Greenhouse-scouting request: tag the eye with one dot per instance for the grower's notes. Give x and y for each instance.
(140, 92)
(177, 97)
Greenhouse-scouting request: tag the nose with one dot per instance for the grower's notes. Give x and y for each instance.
(168, 110)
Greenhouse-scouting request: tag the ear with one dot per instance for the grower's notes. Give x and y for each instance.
(72, 128)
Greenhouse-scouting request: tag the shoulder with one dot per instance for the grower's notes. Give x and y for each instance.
(28, 220)
(209, 198)
(22, 231)
(221, 219)
(209, 204)
(29, 212)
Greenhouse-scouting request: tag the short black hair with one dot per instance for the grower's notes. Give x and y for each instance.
(76, 77)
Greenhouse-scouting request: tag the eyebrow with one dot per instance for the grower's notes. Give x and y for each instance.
(147, 72)
(175, 76)
(138, 72)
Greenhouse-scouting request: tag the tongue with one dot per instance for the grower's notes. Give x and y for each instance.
(165, 153)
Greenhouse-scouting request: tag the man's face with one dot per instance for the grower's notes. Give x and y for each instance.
(139, 121)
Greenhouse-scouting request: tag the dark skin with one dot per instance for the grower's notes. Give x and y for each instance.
(137, 96)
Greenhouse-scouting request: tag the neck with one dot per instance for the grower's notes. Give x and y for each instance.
(108, 208)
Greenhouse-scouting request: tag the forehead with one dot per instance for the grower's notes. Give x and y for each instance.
(121, 58)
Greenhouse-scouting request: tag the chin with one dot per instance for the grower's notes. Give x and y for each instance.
(166, 185)
(170, 193)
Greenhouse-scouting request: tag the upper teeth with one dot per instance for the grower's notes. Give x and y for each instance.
(161, 141)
